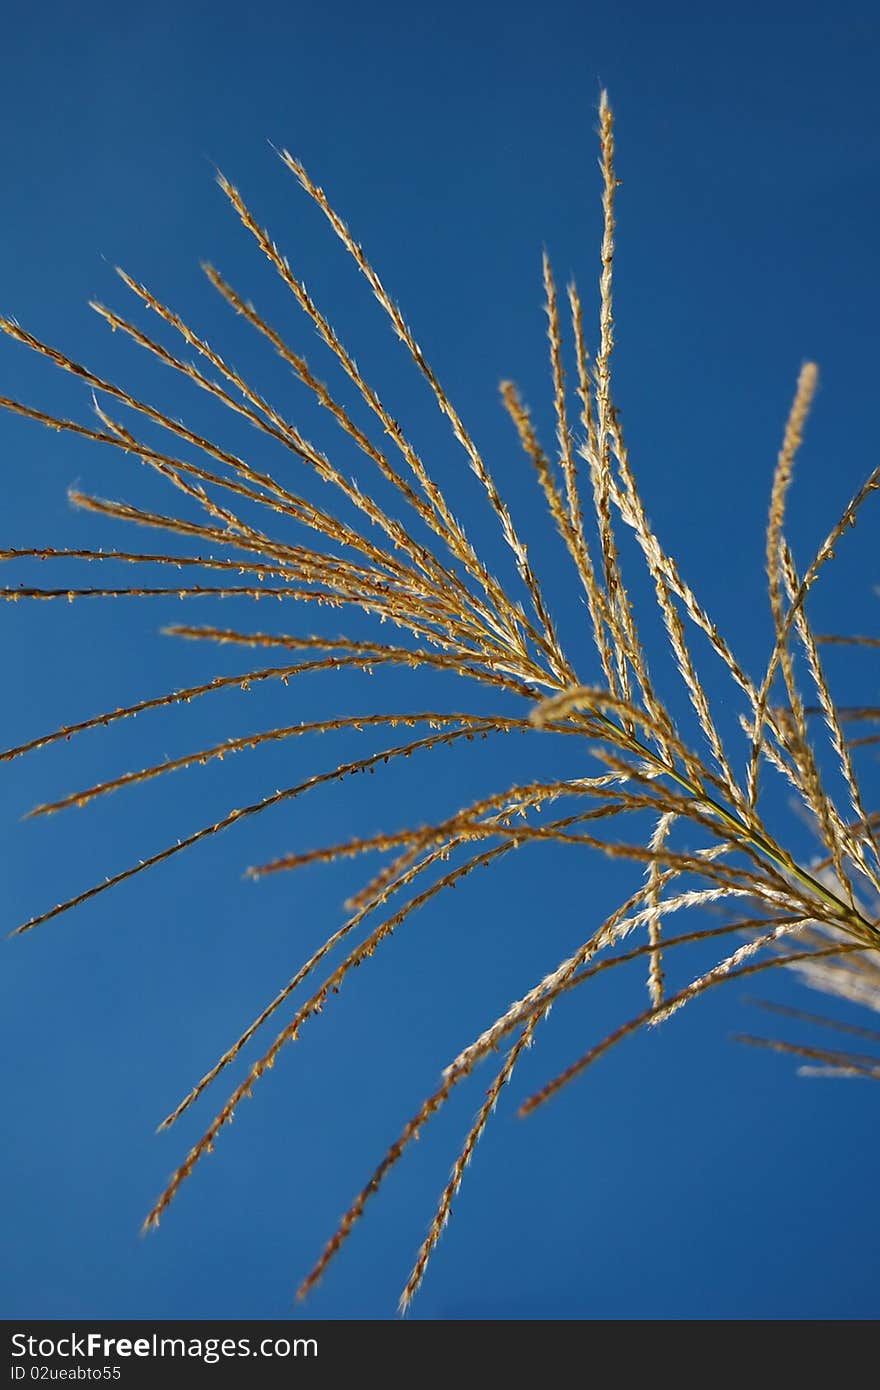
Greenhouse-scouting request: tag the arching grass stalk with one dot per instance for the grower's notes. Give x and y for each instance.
(668, 801)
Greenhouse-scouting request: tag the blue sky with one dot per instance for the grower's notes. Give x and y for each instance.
(685, 1176)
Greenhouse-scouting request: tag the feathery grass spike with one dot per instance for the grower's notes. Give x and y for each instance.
(651, 783)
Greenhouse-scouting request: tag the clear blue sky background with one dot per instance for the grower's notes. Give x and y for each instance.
(686, 1176)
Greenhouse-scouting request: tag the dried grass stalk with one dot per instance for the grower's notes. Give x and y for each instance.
(682, 814)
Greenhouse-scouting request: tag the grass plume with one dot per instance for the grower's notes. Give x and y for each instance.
(665, 797)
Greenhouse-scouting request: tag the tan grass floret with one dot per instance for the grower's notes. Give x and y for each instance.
(665, 799)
